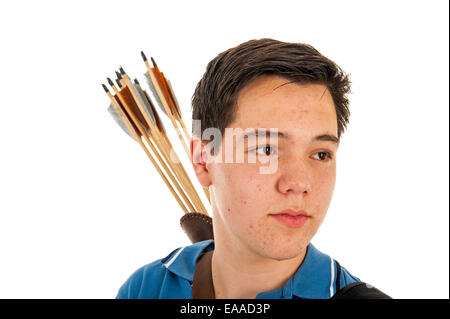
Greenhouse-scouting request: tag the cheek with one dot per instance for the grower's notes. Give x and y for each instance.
(240, 188)
(257, 229)
(323, 189)
(325, 182)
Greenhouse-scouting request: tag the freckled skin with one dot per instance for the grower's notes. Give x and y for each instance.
(302, 111)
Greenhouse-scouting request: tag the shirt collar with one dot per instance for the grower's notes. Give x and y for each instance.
(312, 280)
(315, 276)
(182, 262)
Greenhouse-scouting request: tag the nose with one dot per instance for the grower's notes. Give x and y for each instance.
(294, 180)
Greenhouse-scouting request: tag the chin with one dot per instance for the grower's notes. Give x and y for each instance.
(284, 256)
(278, 252)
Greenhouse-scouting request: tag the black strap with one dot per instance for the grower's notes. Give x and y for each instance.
(360, 290)
(338, 276)
(356, 290)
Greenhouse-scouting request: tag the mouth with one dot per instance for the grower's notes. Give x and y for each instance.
(291, 218)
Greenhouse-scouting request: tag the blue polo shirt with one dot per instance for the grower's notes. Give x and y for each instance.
(172, 277)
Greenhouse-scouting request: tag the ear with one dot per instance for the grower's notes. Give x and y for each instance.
(199, 158)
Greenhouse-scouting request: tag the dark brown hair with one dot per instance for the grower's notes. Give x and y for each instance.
(215, 96)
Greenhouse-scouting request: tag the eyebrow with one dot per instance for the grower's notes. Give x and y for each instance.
(327, 138)
(323, 137)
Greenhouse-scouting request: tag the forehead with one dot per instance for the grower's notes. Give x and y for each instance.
(273, 101)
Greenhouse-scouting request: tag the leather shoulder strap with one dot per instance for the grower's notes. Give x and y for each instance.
(202, 285)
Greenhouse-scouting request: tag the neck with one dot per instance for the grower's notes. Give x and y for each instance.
(239, 273)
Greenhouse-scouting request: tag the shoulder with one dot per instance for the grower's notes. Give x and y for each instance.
(168, 277)
(320, 276)
(143, 282)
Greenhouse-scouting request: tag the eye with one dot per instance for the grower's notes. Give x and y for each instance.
(324, 156)
(265, 150)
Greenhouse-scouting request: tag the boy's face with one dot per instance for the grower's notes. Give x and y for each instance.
(244, 200)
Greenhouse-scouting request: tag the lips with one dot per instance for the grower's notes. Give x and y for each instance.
(292, 212)
(291, 218)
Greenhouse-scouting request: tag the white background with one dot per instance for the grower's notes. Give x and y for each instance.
(81, 205)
